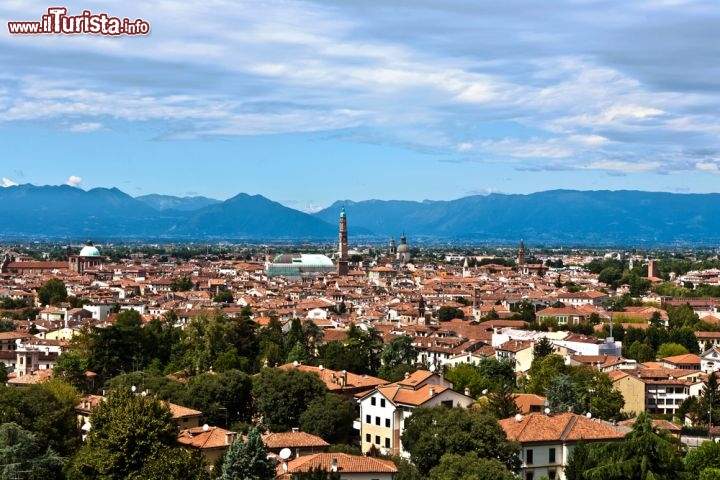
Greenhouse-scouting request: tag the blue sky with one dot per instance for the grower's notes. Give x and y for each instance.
(308, 102)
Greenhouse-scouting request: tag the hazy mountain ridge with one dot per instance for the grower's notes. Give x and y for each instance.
(169, 202)
(551, 217)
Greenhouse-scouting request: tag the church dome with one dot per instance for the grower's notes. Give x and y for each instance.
(89, 250)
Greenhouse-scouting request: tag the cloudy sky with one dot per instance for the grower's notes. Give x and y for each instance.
(307, 102)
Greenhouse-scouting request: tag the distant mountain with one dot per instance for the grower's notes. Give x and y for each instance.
(624, 218)
(169, 202)
(64, 212)
(255, 217)
(551, 217)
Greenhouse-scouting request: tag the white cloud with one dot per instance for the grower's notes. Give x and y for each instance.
(708, 167)
(85, 127)
(464, 147)
(6, 182)
(73, 181)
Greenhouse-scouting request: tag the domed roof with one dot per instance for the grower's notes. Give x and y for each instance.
(89, 250)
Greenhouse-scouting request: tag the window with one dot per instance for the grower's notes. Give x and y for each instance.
(552, 455)
(387, 423)
(377, 420)
(387, 442)
(368, 419)
(372, 401)
(377, 439)
(446, 403)
(368, 438)
(529, 456)
(382, 402)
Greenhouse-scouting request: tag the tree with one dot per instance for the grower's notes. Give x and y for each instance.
(646, 454)
(399, 351)
(127, 431)
(469, 467)
(543, 371)
(22, 455)
(329, 417)
(467, 375)
(3, 373)
(430, 433)
(562, 394)
(248, 460)
(671, 349)
(543, 348)
(223, 398)
(281, 396)
(176, 463)
(578, 461)
(705, 456)
(445, 313)
(181, 284)
(710, 474)
(71, 367)
(37, 410)
(501, 404)
(224, 296)
(52, 292)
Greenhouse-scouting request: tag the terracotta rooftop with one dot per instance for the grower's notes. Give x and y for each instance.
(565, 427)
(206, 437)
(345, 464)
(292, 440)
(336, 381)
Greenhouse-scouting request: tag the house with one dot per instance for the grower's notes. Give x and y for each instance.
(340, 382)
(383, 410)
(688, 361)
(710, 359)
(655, 390)
(212, 442)
(299, 443)
(350, 467)
(547, 441)
(519, 352)
(529, 402)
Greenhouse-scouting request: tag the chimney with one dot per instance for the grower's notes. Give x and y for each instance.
(334, 465)
(432, 392)
(467, 392)
(230, 438)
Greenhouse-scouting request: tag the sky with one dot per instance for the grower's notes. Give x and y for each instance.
(309, 102)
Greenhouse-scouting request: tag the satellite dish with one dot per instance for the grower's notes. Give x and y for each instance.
(285, 453)
(547, 410)
(432, 368)
(206, 427)
(588, 415)
(518, 418)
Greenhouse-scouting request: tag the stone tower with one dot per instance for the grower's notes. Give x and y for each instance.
(342, 264)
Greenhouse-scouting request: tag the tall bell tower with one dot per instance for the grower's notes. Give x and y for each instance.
(342, 264)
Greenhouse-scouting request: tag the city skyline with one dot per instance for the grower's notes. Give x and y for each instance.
(311, 102)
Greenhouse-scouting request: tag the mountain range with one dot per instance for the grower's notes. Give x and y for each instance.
(556, 217)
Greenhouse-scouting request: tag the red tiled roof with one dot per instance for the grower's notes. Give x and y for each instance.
(564, 427)
(345, 464)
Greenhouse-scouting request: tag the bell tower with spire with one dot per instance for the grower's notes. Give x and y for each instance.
(342, 264)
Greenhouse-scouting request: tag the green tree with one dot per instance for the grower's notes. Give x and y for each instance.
(543, 348)
(329, 417)
(248, 460)
(705, 456)
(22, 455)
(281, 396)
(431, 433)
(562, 394)
(578, 462)
(467, 375)
(71, 367)
(501, 404)
(38, 410)
(181, 284)
(543, 371)
(224, 296)
(399, 351)
(671, 349)
(3, 373)
(127, 431)
(176, 463)
(445, 313)
(224, 398)
(469, 466)
(646, 454)
(52, 292)
(710, 474)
